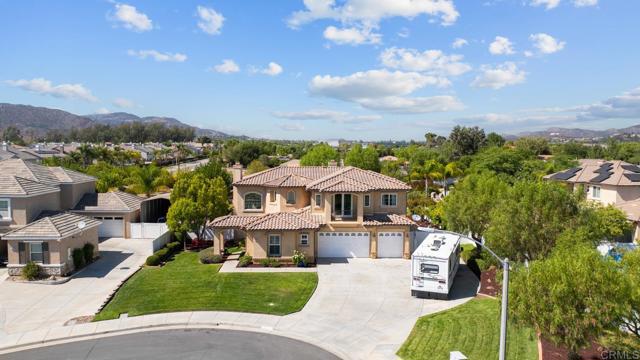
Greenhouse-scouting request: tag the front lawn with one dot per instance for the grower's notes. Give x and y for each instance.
(473, 329)
(186, 285)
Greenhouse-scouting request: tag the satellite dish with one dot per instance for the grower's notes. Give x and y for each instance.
(416, 217)
(82, 225)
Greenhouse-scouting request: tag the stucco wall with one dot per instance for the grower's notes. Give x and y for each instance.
(25, 209)
(608, 194)
(268, 206)
(72, 193)
(289, 241)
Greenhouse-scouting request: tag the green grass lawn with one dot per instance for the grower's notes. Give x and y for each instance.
(473, 329)
(185, 285)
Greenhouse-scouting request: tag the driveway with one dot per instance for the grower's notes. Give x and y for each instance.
(26, 307)
(364, 307)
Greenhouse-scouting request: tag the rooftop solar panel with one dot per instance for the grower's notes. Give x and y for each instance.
(563, 175)
(633, 168)
(633, 177)
(602, 177)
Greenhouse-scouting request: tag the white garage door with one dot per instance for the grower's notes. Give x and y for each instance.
(111, 226)
(390, 244)
(343, 244)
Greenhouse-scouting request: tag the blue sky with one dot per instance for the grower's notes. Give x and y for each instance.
(323, 69)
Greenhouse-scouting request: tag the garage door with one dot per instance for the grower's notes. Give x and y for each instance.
(343, 244)
(111, 226)
(390, 244)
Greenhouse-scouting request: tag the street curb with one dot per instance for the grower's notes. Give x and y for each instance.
(176, 326)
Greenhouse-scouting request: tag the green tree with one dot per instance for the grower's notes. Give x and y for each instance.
(148, 179)
(256, 166)
(214, 169)
(467, 140)
(494, 139)
(363, 158)
(393, 169)
(499, 161)
(319, 155)
(12, 134)
(571, 298)
(529, 219)
(533, 145)
(630, 319)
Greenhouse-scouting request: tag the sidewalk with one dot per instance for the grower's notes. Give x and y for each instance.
(231, 266)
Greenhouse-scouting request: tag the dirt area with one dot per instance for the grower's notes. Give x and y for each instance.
(553, 352)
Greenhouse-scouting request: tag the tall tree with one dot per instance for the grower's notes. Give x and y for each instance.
(363, 158)
(256, 166)
(148, 179)
(12, 134)
(494, 139)
(319, 155)
(467, 140)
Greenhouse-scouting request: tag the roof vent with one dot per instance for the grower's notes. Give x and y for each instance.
(437, 243)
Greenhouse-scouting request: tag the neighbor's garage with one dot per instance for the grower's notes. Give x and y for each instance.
(390, 244)
(343, 244)
(112, 226)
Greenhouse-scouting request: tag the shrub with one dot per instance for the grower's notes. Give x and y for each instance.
(174, 247)
(87, 250)
(207, 256)
(31, 271)
(153, 260)
(299, 259)
(274, 263)
(78, 258)
(265, 262)
(468, 251)
(162, 253)
(245, 261)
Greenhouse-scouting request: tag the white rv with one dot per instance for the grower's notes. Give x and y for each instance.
(434, 265)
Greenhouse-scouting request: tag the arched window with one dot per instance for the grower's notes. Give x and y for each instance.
(291, 197)
(253, 201)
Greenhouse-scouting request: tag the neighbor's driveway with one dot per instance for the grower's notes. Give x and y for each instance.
(26, 307)
(364, 307)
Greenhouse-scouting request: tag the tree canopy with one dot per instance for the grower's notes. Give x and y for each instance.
(320, 155)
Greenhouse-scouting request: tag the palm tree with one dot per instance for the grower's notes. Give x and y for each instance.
(432, 170)
(148, 179)
(451, 170)
(182, 151)
(87, 153)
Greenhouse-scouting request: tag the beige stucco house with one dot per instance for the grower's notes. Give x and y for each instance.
(612, 182)
(322, 211)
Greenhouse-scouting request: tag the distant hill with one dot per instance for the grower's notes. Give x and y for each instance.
(576, 133)
(37, 121)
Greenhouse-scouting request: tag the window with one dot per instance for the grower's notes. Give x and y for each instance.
(429, 268)
(252, 201)
(389, 200)
(595, 192)
(304, 239)
(367, 200)
(342, 205)
(291, 197)
(5, 209)
(272, 196)
(274, 245)
(36, 253)
(318, 200)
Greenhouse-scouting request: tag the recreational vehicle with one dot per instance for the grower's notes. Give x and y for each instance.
(434, 265)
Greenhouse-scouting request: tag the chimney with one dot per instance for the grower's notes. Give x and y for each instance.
(5, 146)
(236, 171)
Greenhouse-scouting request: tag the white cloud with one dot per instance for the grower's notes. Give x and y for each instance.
(458, 43)
(45, 87)
(431, 61)
(210, 20)
(132, 19)
(292, 127)
(626, 105)
(123, 103)
(414, 105)
(546, 44)
(273, 69)
(404, 32)
(584, 3)
(501, 46)
(499, 76)
(339, 117)
(226, 67)
(354, 11)
(552, 4)
(158, 56)
(351, 36)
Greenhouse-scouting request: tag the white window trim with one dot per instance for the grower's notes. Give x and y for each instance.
(342, 215)
(388, 206)
(318, 203)
(294, 197)
(306, 236)
(269, 245)
(364, 203)
(593, 191)
(10, 217)
(244, 200)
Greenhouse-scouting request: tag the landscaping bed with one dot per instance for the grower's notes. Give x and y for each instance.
(472, 328)
(184, 284)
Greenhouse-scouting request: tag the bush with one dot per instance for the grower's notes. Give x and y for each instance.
(162, 253)
(31, 271)
(274, 263)
(207, 256)
(87, 250)
(299, 259)
(174, 247)
(245, 261)
(78, 258)
(468, 251)
(265, 262)
(153, 260)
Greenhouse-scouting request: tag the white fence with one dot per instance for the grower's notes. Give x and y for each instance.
(158, 232)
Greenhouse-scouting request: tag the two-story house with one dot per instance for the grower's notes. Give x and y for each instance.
(322, 211)
(613, 182)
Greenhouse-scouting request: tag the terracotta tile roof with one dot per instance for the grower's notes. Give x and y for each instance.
(43, 174)
(52, 227)
(110, 201)
(357, 180)
(11, 185)
(386, 219)
(600, 172)
(298, 220)
(231, 221)
(283, 172)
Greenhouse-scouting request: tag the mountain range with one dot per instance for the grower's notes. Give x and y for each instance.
(576, 133)
(37, 121)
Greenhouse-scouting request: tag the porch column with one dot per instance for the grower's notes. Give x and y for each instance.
(373, 241)
(406, 252)
(218, 241)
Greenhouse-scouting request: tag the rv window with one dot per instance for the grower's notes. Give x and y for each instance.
(429, 268)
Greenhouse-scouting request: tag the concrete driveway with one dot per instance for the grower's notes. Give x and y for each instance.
(364, 307)
(26, 307)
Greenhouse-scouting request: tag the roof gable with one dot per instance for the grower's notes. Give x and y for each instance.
(11, 185)
(54, 227)
(109, 201)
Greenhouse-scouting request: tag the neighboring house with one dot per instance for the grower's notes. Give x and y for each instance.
(49, 242)
(614, 183)
(8, 151)
(116, 210)
(321, 211)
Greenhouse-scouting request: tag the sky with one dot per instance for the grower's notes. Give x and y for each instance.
(330, 69)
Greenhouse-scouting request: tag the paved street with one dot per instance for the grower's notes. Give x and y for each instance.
(180, 344)
(25, 307)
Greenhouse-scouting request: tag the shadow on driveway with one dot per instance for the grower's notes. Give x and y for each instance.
(465, 284)
(108, 261)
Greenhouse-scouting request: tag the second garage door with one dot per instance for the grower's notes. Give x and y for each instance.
(111, 226)
(390, 244)
(343, 244)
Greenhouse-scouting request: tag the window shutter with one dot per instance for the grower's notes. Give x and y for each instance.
(45, 252)
(22, 253)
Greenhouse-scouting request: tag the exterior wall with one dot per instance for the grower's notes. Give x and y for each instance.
(608, 194)
(303, 198)
(127, 217)
(60, 262)
(376, 203)
(25, 209)
(72, 193)
(289, 241)
(279, 205)
(238, 199)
